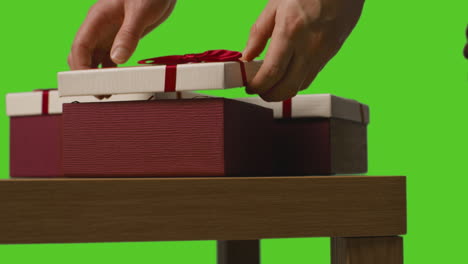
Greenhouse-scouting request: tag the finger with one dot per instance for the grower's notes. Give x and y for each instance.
(273, 68)
(163, 18)
(104, 96)
(310, 77)
(319, 62)
(259, 34)
(465, 51)
(325, 50)
(137, 22)
(292, 81)
(85, 41)
(102, 58)
(81, 56)
(316, 64)
(127, 38)
(107, 61)
(278, 95)
(97, 58)
(70, 60)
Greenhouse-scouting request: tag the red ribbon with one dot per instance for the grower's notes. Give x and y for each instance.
(171, 63)
(287, 108)
(45, 100)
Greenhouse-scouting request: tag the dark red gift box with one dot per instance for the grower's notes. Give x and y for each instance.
(328, 146)
(189, 137)
(318, 134)
(36, 130)
(35, 146)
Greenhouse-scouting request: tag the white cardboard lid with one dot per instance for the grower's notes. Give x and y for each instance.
(30, 103)
(302, 106)
(317, 105)
(150, 79)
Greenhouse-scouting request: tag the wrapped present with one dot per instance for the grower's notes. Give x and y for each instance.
(218, 69)
(318, 134)
(36, 130)
(188, 137)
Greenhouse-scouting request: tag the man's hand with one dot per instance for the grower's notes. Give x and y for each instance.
(112, 29)
(305, 35)
(465, 51)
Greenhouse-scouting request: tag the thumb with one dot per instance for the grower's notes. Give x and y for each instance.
(127, 39)
(259, 34)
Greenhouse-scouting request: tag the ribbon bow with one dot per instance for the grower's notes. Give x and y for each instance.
(207, 56)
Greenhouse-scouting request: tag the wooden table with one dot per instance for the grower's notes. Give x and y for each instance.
(363, 215)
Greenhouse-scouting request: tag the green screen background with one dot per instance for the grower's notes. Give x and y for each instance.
(404, 59)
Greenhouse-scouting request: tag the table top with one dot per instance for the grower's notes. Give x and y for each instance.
(211, 208)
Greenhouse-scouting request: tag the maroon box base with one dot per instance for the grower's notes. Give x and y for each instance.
(35, 146)
(319, 146)
(196, 137)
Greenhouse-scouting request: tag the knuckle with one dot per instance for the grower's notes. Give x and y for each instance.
(80, 45)
(129, 33)
(104, 13)
(299, 17)
(273, 71)
(257, 31)
(254, 29)
(294, 26)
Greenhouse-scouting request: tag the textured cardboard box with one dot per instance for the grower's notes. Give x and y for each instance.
(190, 137)
(36, 130)
(318, 134)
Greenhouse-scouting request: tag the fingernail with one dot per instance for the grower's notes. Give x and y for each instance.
(244, 55)
(120, 55)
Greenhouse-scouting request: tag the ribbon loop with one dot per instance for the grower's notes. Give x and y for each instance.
(207, 56)
(172, 61)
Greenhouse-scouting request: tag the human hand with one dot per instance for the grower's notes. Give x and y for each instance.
(305, 35)
(465, 51)
(111, 31)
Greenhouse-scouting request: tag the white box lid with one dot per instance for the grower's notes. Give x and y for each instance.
(30, 103)
(317, 105)
(145, 79)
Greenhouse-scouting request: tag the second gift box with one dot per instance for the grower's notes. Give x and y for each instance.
(192, 137)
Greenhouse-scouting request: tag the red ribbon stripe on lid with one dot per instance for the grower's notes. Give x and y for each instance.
(45, 100)
(171, 63)
(287, 108)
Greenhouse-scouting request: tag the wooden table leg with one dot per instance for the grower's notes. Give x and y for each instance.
(367, 250)
(238, 252)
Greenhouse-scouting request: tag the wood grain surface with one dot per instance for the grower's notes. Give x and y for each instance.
(238, 252)
(367, 250)
(211, 208)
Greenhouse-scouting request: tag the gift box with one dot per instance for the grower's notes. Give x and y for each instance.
(36, 130)
(188, 137)
(318, 134)
(218, 69)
